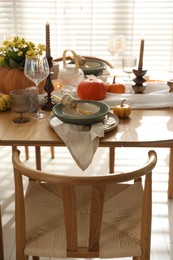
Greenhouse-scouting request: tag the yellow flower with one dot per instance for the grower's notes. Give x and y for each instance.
(13, 53)
(20, 53)
(1, 59)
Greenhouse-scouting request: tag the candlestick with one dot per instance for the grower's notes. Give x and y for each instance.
(49, 89)
(141, 55)
(139, 82)
(47, 39)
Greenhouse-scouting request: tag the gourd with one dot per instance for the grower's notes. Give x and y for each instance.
(115, 87)
(122, 111)
(92, 89)
(11, 79)
(5, 102)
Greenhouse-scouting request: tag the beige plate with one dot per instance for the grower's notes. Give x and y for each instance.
(111, 121)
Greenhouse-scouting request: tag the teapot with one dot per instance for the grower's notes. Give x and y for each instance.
(71, 74)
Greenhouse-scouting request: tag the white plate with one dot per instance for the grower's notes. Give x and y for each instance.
(111, 121)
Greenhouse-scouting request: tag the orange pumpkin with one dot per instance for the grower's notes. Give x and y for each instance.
(91, 89)
(11, 79)
(115, 87)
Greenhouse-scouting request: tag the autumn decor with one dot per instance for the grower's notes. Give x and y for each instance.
(123, 110)
(5, 102)
(115, 87)
(12, 60)
(92, 89)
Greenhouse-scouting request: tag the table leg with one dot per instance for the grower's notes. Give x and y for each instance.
(38, 157)
(170, 179)
(26, 152)
(1, 239)
(111, 159)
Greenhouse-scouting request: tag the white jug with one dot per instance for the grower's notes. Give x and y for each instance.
(71, 74)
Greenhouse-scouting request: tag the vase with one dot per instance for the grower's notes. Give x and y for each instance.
(13, 78)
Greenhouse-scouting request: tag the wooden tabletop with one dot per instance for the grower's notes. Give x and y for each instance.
(144, 128)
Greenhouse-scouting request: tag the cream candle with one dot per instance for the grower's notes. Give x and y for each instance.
(47, 39)
(140, 65)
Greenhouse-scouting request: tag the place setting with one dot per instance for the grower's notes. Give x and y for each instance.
(81, 124)
(81, 112)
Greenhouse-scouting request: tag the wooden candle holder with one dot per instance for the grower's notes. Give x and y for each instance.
(140, 81)
(49, 89)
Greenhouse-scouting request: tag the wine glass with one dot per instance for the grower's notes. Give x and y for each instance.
(37, 69)
(116, 45)
(129, 62)
(20, 100)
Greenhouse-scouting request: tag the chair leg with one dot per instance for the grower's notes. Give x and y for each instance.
(35, 257)
(1, 239)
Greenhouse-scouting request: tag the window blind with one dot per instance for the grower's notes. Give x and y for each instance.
(85, 26)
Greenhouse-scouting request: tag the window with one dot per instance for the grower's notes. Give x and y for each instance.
(85, 26)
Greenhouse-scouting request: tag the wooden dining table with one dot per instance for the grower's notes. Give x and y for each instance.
(144, 128)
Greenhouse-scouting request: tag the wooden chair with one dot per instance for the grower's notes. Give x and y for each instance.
(88, 58)
(106, 216)
(1, 239)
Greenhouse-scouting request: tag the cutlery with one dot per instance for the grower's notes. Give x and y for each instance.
(68, 101)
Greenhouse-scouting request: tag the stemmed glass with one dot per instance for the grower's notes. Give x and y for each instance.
(37, 69)
(129, 63)
(116, 45)
(20, 104)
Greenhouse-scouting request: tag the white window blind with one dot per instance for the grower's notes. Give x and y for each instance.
(85, 26)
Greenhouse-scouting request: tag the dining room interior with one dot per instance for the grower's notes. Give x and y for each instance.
(124, 49)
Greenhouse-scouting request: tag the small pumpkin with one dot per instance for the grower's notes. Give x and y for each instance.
(11, 79)
(92, 89)
(122, 111)
(115, 87)
(5, 102)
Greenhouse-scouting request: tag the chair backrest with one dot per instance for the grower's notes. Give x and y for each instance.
(87, 58)
(95, 194)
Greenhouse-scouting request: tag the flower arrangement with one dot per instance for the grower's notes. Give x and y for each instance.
(13, 53)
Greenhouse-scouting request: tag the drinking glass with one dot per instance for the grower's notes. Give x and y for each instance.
(116, 45)
(37, 69)
(20, 100)
(129, 63)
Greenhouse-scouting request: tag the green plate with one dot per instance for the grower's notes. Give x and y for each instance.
(71, 116)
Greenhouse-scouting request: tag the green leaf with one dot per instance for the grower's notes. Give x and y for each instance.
(13, 64)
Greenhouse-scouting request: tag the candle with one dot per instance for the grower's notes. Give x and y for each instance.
(57, 84)
(141, 55)
(47, 39)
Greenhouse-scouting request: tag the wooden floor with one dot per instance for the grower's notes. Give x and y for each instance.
(126, 158)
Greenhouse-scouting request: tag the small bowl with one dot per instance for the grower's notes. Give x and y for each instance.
(91, 66)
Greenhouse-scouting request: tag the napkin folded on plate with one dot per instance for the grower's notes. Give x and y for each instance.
(82, 141)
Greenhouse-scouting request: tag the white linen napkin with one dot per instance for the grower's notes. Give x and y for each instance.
(140, 101)
(156, 95)
(82, 141)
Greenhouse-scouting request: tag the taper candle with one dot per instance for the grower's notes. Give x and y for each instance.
(140, 65)
(47, 39)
